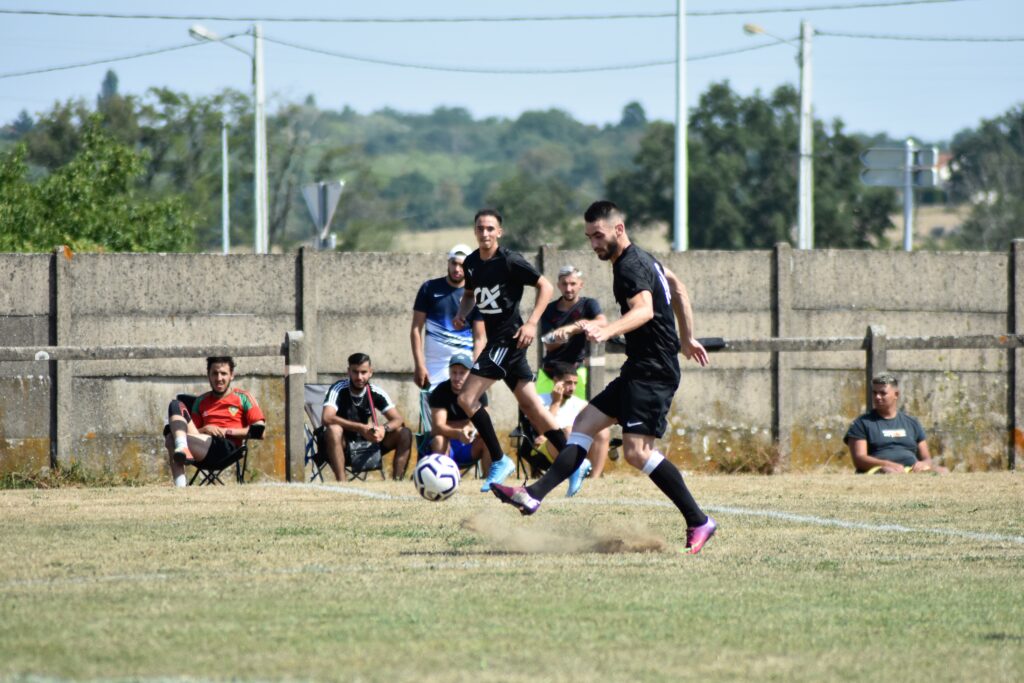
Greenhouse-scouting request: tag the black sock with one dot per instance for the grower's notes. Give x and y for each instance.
(569, 458)
(666, 477)
(557, 439)
(482, 421)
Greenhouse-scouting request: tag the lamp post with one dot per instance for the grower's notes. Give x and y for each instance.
(680, 222)
(225, 201)
(261, 236)
(805, 197)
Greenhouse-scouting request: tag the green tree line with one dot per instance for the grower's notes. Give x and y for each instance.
(143, 172)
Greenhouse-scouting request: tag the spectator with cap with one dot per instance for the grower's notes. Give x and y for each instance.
(451, 430)
(434, 339)
(885, 440)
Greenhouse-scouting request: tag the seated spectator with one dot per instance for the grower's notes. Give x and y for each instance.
(887, 440)
(357, 411)
(216, 422)
(451, 428)
(565, 406)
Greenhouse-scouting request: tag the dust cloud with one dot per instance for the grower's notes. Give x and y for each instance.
(536, 537)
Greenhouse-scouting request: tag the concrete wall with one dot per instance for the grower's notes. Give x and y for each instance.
(732, 415)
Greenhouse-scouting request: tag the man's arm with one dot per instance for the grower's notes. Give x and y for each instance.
(690, 347)
(641, 310)
(863, 462)
(526, 334)
(330, 416)
(479, 337)
(561, 335)
(439, 420)
(465, 306)
(419, 363)
(394, 422)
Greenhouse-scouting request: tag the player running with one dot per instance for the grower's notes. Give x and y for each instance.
(495, 277)
(652, 301)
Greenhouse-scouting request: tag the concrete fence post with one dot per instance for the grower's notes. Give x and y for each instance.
(307, 297)
(294, 398)
(782, 382)
(1016, 365)
(877, 358)
(61, 371)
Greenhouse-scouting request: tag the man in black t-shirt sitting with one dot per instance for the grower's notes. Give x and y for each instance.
(356, 412)
(886, 440)
(451, 430)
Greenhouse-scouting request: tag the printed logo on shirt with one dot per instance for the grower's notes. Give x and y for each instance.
(487, 299)
(233, 410)
(894, 433)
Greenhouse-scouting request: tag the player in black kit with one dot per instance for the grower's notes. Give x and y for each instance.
(652, 301)
(495, 277)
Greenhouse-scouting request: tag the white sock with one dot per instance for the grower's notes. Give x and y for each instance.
(653, 460)
(180, 481)
(180, 441)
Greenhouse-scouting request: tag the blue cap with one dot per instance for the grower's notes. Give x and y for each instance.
(462, 359)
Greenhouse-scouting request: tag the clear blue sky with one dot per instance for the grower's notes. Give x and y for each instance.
(925, 89)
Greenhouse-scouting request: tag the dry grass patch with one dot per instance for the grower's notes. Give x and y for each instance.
(369, 582)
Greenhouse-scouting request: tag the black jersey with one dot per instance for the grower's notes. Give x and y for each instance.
(497, 284)
(444, 397)
(652, 350)
(357, 408)
(574, 350)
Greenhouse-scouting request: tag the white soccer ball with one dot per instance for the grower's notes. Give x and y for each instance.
(436, 477)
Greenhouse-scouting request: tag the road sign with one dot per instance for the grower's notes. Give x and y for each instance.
(322, 200)
(896, 157)
(896, 177)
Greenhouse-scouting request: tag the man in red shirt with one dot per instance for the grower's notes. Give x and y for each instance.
(214, 424)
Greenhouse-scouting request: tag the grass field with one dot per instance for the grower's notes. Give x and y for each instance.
(817, 577)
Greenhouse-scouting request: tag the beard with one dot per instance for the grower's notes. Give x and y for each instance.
(610, 252)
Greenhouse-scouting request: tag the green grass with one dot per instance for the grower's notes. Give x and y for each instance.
(300, 583)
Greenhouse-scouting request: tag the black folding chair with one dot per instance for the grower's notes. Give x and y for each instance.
(361, 458)
(530, 462)
(209, 469)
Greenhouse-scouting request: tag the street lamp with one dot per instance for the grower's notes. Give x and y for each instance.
(261, 236)
(805, 200)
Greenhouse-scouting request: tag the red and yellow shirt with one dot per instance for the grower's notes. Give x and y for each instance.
(237, 409)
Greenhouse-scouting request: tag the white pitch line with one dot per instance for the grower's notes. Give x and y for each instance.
(818, 521)
(745, 512)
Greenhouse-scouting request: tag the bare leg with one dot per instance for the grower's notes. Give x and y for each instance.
(401, 442)
(334, 447)
(598, 454)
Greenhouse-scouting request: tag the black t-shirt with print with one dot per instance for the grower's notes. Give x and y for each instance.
(497, 285)
(652, 350)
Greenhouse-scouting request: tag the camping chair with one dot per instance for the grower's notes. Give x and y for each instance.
(361, 458)
(211, 467)
(530, 462)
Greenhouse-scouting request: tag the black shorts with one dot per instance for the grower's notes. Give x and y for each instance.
(220, 447)
(640, 406)
(503, 362)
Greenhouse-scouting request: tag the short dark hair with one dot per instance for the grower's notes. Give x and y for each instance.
(600, 210)
(557, 368)
(358, 359)
(487, 212)
(886, 378)
(214, 360)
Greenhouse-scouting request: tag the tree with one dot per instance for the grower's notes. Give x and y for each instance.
(90, 204)
(633, 116)
(988, 172)
(537, 210)
(743, 176)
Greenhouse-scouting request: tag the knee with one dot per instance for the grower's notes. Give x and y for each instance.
(635, 457)
(466, 403)
(177, 409)
(404, 437)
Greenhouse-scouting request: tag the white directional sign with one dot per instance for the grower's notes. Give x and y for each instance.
(896, 157)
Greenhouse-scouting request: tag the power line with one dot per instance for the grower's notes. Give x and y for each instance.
(172, 48)
(934, 39)
(475, 19)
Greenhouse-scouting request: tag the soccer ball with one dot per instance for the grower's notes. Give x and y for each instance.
(436, 477)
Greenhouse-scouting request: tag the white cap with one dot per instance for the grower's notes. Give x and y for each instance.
(459, 250)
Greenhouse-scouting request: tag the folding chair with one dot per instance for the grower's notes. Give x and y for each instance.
(360, 458)
(530, 462)
(211, 467)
